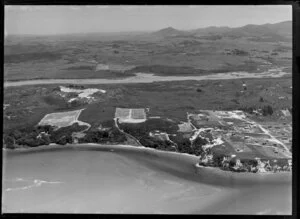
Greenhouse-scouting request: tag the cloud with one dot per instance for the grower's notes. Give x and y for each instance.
(103, 6)
(26, 8)
(129, 7)
(194, 6)
(30, 8)
(97, 6)
(76, 8)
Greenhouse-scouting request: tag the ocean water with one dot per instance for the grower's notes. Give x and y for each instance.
(116, 179)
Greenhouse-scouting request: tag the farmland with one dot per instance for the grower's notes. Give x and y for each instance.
(170, 114)
(125, 115)
(63, 119)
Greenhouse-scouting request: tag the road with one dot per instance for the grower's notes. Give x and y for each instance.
(130, 136)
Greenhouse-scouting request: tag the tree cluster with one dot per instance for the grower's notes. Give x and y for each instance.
(41, 135)
(103, 136)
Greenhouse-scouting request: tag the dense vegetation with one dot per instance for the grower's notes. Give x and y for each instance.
(41, 135)
(112, 135)
(177, 140)
(141, 132)
(33, 56)
(44, 135)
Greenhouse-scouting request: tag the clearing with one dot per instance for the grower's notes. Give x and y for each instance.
(62, 119)
(126, 115)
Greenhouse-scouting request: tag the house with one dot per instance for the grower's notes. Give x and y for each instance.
(159, 135)
(76, 136)
(244, 86)
(185, 127)
(286, 112)
(100, 67)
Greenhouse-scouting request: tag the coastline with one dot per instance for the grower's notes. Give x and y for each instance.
(169, 178)
(189, 158)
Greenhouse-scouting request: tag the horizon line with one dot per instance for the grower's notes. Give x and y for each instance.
(136, 31)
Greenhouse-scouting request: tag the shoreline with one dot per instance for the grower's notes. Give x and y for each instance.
(133, 148)
(174, 177)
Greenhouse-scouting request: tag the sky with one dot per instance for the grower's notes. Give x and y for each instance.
(48, 20)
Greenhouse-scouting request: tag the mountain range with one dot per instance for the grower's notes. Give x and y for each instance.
(277, 31)
(266, 32)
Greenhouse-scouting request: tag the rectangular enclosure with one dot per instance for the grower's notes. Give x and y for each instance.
(62, 119)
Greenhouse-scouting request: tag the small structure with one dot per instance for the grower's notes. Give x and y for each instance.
(76, 136)
(41, 134)
(286, 112)
(185, 127)
(225, 162)
(260, 166)
(159, 135)
(244, 86)
(238, 165)
(100, 67)
(5, 106)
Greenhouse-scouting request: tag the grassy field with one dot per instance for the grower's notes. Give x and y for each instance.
(28, 104)
(43, 58)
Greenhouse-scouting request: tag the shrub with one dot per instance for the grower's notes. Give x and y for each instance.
(261, 99)
(267, 110)
(184, 146)
(9, 141)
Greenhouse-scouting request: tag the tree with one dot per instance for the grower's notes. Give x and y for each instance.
(267, 110)
(16, 134)
(9, 141)
(62, 140)
(261, 99)
(44, 140)
(184, 146)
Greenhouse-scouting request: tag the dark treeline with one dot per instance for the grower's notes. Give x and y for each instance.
(111, 135)
(141, 132)
(41, 135)
(44, 135)
(177, 142)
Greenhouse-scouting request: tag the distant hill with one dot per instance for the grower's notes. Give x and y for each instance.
(277, 31)
(170, 32)
(266, 32)
(212, 30)
(281, 31)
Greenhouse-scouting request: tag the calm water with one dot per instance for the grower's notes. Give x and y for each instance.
(89, 179)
